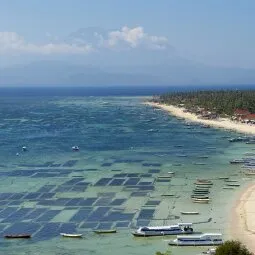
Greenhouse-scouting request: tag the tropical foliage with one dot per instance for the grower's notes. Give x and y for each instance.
(221, 102)
(232, 248)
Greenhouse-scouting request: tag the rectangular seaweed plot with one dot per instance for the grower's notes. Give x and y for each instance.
(116, 182)
(132, 181)
(98, 214)
(74, 181)
(32, 195)
(21, 227)
(34, 214)
(74, 202)
(47, 216)
(18, 215)
(122, 224)
(103, 201)
(89, 225)
(118, 201)
(7, 212)
(104, 225)
(46, 188)
(81, 215)
(16, 196)
(118, 216)
(154, 171)
(103, 182)
(48, 230)
(146, 214)
(47, 195)
(67, 228)
(88, 201)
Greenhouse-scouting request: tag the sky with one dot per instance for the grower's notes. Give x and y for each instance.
(218, 32)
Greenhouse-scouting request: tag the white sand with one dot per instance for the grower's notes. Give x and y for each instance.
(219, 123)
(242, 224)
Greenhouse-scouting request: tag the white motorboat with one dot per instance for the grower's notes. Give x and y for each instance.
(71, 235)
(198, 240)
(180, 228)
(189, 213)
(210, 251)
(75, 148)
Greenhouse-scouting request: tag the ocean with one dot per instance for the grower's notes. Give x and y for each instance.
(113, 181)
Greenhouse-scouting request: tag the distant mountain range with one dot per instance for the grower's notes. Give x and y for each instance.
(107, 67)
(61, 73)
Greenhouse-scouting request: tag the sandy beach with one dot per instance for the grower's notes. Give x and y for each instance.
(242, 225)
(219, 123)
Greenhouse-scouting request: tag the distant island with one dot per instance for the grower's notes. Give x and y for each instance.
(228, 109)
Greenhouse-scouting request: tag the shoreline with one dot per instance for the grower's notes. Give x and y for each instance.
(223, 123)
(242, 223)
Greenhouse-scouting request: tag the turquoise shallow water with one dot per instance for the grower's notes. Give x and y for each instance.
(112, 182)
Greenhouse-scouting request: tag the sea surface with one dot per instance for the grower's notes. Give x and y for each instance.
(113, 181)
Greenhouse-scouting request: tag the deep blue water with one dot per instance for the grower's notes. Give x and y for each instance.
(108, 91)
(124, 146)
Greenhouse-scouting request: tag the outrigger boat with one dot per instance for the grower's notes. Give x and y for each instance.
(201, 200)
(180, 228)
(198, 240)
(105, 231)
(189, 213)
(17, 236)
(71, 235)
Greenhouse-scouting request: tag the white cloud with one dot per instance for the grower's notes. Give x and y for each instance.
(11, 42)
(134, 37)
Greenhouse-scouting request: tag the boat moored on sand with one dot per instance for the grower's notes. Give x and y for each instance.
(198, 240)
(71, 235)
(180, 228)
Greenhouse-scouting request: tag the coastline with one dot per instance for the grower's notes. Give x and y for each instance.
(242, 224)
(219, 123)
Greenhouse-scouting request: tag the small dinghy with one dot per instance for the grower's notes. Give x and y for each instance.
(75, 148)
(189, 213)
(17, 236)
(105, 231)
(71, 235)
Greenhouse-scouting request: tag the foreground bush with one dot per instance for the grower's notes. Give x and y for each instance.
(232, 248)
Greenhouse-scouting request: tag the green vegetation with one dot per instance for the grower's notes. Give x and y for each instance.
(232, 248)
(165, 253)
(220, 102)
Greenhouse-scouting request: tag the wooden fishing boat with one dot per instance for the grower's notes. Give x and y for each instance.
(168, 195)
(203, 183)
(17, 236)
(228, 187)
(201, 191)
(164, 177)
(105, 231)
(231, 180)
(71, 235)
(189, 213)
(250, 173)
(201, 200)
(233, 184)
(199, 196)
(223, 178)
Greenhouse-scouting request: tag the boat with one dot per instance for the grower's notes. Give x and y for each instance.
(228, 188)
(223, 178)
(164, 177)
(189, 213)
(201, 200)
(75, 148)
(17, 236)
(170, 172)
(203, 183)
(231, 180)
(24, 148)
(237, 161)
(179, 228)
(201, 196)
(211, 251)
(233, 184)
(71, 235)
(105, 231)
(250, 173)
(198, 240)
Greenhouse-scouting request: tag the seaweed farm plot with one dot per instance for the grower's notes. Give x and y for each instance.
(74, 204)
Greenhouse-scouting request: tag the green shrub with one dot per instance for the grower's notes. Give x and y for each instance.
(232, 248)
